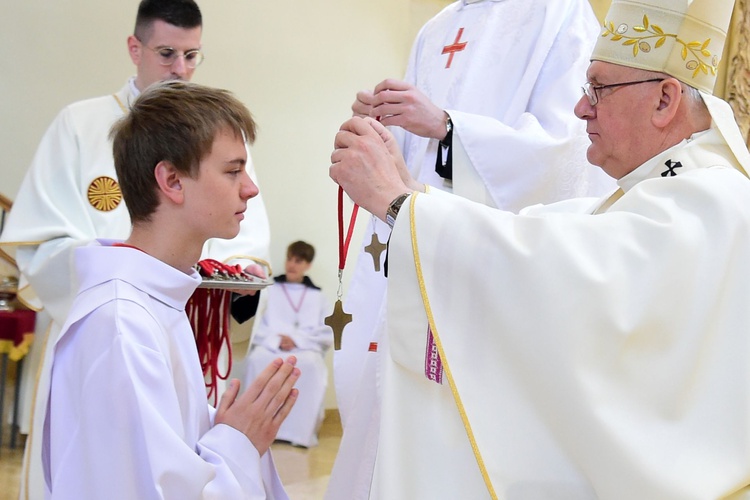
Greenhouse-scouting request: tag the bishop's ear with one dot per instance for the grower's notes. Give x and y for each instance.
(670, 96)
(169, 180)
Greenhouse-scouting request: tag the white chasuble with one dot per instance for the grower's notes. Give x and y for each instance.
(586, 356)
(510, 91)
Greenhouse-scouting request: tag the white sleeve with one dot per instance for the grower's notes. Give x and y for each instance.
(118, 428)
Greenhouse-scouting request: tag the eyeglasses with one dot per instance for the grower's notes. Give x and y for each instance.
(168, 56)
(590, 90)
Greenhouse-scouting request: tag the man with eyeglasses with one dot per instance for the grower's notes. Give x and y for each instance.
(588, 349)
(482, 112)
(71, 195)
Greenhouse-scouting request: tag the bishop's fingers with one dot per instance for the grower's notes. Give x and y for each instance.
(381, 130)
(362, 104)
(356, 126)
(343, 139)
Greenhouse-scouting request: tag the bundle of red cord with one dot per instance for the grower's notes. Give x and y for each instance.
(208, 313)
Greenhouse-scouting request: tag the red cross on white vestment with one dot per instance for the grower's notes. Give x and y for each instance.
(455, 47)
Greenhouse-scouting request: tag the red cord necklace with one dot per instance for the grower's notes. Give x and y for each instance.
(339, 319)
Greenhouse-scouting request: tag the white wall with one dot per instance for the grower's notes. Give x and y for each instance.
(297, 65)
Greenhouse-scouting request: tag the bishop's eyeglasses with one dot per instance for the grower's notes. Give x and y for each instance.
(168, 56)
(591, 91)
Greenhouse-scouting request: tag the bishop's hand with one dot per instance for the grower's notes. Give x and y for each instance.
(363, 165)
(398, 158)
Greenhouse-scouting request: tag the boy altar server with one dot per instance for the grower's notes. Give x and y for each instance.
(127, 415)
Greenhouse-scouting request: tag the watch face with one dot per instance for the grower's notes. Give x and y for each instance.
(396, 205)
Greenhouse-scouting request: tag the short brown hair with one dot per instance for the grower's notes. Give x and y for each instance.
(180, 13)
(172, 121)
(301, 249)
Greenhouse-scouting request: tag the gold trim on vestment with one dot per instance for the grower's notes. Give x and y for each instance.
(22, 243)
(439, 344)
(122, 106)
(609, 201)
(26, 303)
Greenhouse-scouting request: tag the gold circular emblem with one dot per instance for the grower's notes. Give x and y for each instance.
(104, 194)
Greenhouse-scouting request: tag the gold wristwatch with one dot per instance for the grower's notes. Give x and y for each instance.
(393, 209)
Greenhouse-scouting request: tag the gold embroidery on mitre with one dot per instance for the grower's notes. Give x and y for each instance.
(701, 58)
(104, 194)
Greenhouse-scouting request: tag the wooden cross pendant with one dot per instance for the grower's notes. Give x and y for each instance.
(337, 321)
(375, 248)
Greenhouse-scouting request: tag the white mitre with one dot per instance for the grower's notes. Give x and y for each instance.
(682, 38)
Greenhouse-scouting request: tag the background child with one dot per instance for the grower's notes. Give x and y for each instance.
(292, 322)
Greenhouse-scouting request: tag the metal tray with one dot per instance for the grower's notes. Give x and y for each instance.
(230, 284)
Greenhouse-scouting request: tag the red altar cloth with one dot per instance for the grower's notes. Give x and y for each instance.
(16, 332)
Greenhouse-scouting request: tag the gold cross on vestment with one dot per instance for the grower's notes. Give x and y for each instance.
(375, 248)
(337, 321)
